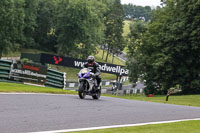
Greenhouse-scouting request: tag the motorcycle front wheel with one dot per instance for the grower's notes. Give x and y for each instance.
(81, 90)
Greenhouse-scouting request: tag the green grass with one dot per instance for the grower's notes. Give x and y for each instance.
(14, 87)
(188, 100)
(177, 127)
(117, 61)
(126, 29)
(18, 53)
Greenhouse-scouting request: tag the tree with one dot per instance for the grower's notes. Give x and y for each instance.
(184, 46)
(11, 25)
(169, 52)
(135, 57)
(31, 8)
(44, 34)
(79, 28)
(114, 28)
(18, 25)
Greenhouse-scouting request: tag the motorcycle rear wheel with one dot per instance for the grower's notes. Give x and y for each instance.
(97, 95)
(81, 91)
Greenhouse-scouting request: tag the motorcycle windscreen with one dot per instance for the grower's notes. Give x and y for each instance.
(84, 71)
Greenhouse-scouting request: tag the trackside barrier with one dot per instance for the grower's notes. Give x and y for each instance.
(104, 83)
(126, 90)
(75, 84)
(123, 92)
(5, 66)
(54, 78)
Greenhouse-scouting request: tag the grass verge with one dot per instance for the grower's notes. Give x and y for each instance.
(126, 28)
(177, 127)
(188, 100)
(15, 87)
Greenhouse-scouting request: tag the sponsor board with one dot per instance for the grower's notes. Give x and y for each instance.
(77, 63)
(28, 72)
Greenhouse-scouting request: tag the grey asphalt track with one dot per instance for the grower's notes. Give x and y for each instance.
(40, 112)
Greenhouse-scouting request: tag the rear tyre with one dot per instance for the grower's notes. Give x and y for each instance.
(81, 91)
(98, 94)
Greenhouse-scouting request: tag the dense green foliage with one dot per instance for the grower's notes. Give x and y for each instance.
(72, 28)
(166, 53)
(11, 24)
(30, 9)
(114, 18)
(79, 28)
(44, 36)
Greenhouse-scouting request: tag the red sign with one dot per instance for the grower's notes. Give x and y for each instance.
(30, 67)
(57, 60)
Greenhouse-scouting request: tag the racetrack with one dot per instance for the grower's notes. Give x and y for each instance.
(45, 112)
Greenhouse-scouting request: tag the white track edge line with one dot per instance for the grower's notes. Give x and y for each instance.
(113, 126)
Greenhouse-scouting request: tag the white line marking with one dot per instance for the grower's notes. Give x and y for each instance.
(114, 126)
(33, 84)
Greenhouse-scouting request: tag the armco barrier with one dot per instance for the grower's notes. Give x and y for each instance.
(54, 78)
(5, 66)
(75, 84)
(123, 91)
(126, 90)
(104, 83)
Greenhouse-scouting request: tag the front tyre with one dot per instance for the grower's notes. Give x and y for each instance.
(97, 94)
(81, 91)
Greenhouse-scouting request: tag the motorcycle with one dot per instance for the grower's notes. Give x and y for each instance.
(88, 84)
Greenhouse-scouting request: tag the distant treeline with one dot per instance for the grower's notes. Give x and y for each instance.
(137, 12)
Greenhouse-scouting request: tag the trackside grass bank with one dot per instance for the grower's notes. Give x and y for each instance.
(188, 100)
(14, 87)
(177, 127)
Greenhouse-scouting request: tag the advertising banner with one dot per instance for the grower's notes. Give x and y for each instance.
(77, 63)
(28, 72)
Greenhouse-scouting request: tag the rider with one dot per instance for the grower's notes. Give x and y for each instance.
(94, 66)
